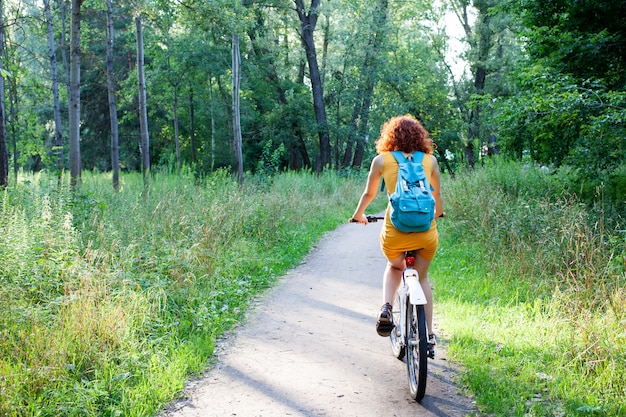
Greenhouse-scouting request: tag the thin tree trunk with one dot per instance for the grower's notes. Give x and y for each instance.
(63, 44)
(58, 133)
(237, 140)
(174, 80)
(212, 123)
(192, 128)
(13, 121)
(307, 26)
(4, 154)
(347, 156)
(143, 108)
(74, 103)
(176, 133)
(115, 156)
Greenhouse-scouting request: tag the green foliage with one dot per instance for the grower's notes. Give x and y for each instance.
(188, 55)
(110, 300)
(561, 122)
(271, 160)
(585, 40)
(531, 289)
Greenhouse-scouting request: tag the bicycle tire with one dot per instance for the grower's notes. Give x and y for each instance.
(417, 350)
(398, 346)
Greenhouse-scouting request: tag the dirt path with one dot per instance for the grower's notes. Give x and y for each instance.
(309, 348)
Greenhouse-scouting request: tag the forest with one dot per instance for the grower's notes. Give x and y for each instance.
(290, 85)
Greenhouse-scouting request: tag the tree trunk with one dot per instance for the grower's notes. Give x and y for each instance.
(192, 129)
(57, 144)
(115, 156)
(176, 132)
(74, 101)
(63, 45)
(4, 154)
(237, 140)
(365, 110)
(15, 119)
(347, 156)
(11, 122)
(307, 26)
(143, 107)
(212, 122)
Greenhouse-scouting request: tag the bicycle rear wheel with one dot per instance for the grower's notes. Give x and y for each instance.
(397, 345)
(417, 350)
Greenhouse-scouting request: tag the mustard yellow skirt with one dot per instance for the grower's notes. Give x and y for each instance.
(394, 242)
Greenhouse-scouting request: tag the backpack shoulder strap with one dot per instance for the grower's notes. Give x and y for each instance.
(400, 158)
(418, 157)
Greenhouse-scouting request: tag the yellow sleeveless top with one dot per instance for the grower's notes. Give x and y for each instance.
(393, 241)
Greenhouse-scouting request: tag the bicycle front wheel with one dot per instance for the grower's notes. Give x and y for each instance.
(417, 350)
(397, 344)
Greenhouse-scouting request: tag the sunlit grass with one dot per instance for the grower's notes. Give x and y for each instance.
(530, 290)
(110, 301)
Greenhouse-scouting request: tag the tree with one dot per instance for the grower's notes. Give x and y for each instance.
(58, 133)
(4, 156)
(74, 93)
(111, 88)
(365, 74)
(584, 39)
(280, 124)
(143, 107)
(491, 50)
(308, 20)
(371, 67)
(237, 141)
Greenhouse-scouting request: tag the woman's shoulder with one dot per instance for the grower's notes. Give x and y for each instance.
(378, 161)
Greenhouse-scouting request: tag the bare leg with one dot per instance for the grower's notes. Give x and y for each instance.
(391, 282)
(392, 279)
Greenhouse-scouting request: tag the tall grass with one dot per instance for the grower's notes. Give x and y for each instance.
(109, 301)
(531, 287)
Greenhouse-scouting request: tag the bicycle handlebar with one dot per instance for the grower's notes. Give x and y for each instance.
(370, 219)
(374, 219)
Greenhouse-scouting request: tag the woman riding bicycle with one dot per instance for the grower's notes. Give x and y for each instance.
(406, 134)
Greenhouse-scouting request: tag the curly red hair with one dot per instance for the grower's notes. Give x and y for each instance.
(404, 133)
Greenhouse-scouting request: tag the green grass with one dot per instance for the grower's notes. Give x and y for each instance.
(110, 301)
(530, 288)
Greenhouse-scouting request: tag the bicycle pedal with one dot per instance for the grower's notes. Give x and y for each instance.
(431, 351)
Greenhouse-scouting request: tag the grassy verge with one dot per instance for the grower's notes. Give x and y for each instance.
(109, 301)
(530, 288)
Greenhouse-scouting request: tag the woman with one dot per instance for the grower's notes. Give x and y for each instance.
(406, 134)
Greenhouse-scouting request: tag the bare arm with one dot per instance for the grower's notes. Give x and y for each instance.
(371, 188)
(435, 181)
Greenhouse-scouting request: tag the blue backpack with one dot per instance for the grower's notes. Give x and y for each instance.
(412, 205)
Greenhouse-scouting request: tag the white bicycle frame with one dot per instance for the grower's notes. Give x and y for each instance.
(412, 289)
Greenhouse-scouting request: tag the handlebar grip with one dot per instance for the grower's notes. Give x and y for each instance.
(370, 219)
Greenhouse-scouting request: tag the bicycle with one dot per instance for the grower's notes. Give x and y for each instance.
(409, 337)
